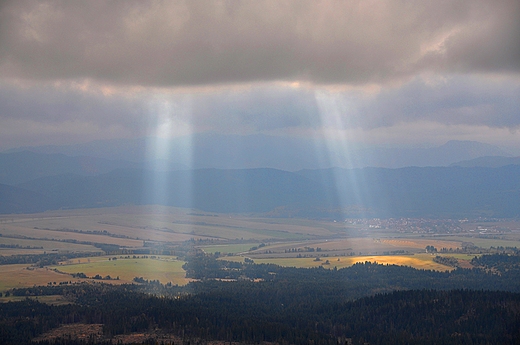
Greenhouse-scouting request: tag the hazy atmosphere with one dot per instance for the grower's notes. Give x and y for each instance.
(372, 73)
(321, 172)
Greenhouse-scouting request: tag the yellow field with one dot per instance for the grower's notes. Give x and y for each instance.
(420, 261)
(18, 276)
(165, 269)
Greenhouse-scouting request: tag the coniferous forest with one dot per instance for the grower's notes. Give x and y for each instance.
(365, 303)
(259, 172)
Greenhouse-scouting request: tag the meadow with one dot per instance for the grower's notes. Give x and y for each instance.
(130, 225)
(163, 268)
(41, 246)
(419, 261)
(269, 240)
(484, 242)
(229, 248)
(22, 275)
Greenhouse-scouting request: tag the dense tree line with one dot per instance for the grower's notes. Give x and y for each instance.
(17, 246)
(446, 260)
(41, 260)
(252, 312)
(498, 262)
(358, 280)
(289, 306)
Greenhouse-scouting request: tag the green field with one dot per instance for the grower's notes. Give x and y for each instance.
(461, 256)
(133, 224)
(229, 248)
(47, 246)
(419, 261)
(483, 242)
(163, 268)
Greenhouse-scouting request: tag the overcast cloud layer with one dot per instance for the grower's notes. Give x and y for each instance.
(379, 72)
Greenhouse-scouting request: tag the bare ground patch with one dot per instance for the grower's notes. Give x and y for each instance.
(79, 331)
(94, 332)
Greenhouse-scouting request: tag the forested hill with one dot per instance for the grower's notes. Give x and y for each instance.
(426, 192)
(405, 317)
(295, 306)
(448, 192)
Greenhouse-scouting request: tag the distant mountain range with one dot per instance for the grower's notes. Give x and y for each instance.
(227, 178)
(331, 193)
(208, 150)
(237, 191)
(449, 192)
(19, 200)
(19, 167)
(488, 161)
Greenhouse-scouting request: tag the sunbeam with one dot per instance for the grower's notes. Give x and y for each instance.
(350, 186)
(168, 119)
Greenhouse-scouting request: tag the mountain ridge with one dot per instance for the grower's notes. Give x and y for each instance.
(488, 161)
(430, 192)
(210, 150)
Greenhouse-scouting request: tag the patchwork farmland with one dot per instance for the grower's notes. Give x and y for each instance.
(116, 245)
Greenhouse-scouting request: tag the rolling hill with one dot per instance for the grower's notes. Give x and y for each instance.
(368, 192)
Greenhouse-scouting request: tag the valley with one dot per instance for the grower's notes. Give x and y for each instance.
(151, 242)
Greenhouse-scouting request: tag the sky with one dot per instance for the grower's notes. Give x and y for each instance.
(378, 73)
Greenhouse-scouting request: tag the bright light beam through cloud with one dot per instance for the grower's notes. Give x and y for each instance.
(334, 111)
(168, 118)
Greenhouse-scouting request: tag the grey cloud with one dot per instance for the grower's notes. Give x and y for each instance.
(258, 109)
(460, 100)
(250, 110)
(179, 43)
(490, 43)
(51, 105)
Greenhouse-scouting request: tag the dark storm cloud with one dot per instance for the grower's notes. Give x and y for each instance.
(179, 43)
